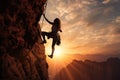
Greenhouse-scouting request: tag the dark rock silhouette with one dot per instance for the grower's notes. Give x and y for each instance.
(22, 57)
(91, 70)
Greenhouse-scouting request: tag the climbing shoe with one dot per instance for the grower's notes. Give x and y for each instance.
(51, 56)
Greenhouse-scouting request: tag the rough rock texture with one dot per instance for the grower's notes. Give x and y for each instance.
(91, 70)
(22, 57)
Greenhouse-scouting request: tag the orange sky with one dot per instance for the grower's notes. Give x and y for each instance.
(89, 26)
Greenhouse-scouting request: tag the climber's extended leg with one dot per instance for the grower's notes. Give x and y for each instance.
(53, 47)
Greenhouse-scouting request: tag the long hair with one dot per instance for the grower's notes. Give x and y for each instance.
(57, 22)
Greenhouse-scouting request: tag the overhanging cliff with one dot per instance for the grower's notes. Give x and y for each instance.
(22, 57)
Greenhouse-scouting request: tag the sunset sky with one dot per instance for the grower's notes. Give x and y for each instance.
(89, 26)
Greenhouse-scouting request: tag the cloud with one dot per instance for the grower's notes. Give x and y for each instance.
(117, 20)
(106, 1)
(113, 48)
(109, 1)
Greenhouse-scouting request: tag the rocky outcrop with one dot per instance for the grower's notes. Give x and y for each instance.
(91, 70)
(22, 57)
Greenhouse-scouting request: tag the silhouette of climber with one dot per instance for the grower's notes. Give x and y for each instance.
(56, 26)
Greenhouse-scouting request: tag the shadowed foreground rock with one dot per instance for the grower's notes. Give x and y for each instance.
(91, 70)
(22, 57)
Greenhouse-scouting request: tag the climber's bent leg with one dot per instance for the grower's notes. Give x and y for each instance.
(43, 35)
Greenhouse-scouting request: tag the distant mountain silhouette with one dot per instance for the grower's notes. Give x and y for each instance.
(91, 70)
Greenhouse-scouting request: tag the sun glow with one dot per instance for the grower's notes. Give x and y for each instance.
(60, 59)
(58, 52)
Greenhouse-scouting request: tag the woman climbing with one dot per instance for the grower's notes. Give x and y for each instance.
(56, 26)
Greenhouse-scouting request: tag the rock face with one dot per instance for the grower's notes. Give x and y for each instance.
(91, 70)
(22, 57)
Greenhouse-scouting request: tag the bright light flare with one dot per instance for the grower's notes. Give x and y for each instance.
(58, 52)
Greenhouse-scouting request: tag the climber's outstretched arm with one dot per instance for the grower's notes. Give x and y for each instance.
(47, 19)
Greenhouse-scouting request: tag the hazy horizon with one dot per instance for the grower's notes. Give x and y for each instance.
(56, 64)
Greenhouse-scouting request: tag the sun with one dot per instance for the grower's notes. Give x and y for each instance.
(58, 49)
(58, 52)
